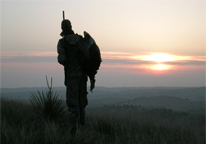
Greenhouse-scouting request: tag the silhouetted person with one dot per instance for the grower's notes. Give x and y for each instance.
(81, 59)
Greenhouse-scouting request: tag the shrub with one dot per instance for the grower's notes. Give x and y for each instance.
(47, 105)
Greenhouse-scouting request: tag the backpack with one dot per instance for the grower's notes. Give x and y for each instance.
(89, 55)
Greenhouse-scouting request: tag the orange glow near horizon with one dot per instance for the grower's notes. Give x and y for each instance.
(147, 63)
(159, 57)
(158, 60)
(164, 57)
(160, 67)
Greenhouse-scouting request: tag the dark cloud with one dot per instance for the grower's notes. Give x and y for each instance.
(141, 62)
(121, 61)
(186, 63)
(53, 59)
(29, 59)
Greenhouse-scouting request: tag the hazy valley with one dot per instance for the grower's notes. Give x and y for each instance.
(176, 98)
(156, 115)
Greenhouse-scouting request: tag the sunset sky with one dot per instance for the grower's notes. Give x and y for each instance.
(142, 42)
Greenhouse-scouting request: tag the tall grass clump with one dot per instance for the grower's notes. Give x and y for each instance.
(105, 125)
(47, 105)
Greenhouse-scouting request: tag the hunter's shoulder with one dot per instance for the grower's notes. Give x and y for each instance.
(73, 38)
(61, 41)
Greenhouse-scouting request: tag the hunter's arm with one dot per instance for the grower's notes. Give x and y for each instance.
(61, 52)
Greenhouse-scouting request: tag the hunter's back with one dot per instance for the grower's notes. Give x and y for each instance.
(72, 52)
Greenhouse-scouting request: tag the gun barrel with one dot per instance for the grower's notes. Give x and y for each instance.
(63, 15)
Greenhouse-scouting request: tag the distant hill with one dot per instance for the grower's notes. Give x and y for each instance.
(176, 98)
(194, 94)
(169, 102)
(25, 93)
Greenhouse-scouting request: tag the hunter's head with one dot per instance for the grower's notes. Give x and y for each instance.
(66, 27)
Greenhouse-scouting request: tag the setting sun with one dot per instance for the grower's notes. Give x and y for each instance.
(160, 67)
(159, 57)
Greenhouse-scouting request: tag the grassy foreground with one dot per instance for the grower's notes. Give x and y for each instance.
(105, 125)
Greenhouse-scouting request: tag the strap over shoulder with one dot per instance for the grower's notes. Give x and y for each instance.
(73, 39)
